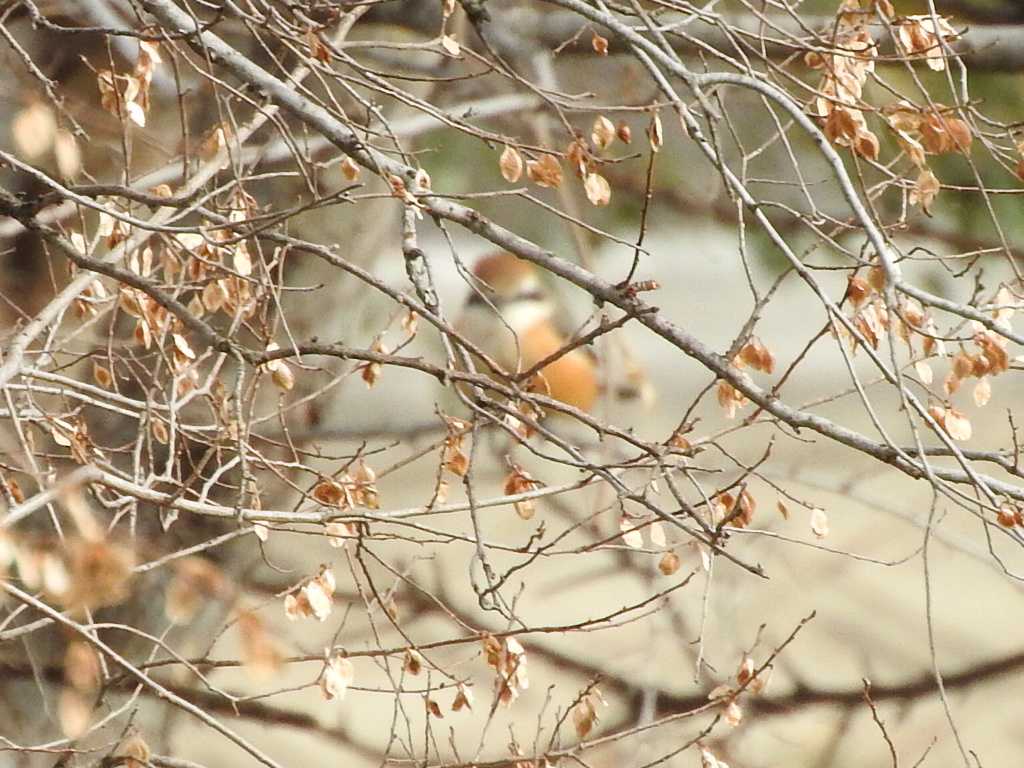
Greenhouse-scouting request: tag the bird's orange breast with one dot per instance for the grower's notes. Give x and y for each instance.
(571, 378)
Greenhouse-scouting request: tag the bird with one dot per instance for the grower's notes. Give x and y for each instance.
(512, 319)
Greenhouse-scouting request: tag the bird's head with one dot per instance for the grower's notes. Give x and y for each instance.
(507, 282)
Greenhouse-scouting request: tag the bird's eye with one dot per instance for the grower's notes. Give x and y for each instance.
(476, 298)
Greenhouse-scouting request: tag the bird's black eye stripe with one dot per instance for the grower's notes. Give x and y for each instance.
(476, 298)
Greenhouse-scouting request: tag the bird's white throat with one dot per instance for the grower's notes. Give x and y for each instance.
(496, 332)
(522, 313)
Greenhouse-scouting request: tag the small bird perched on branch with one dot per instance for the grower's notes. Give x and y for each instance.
(512, 319)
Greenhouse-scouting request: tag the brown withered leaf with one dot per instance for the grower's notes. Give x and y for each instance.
(545, 172)
(511, 164)
(957, 425)
(858, 290)
(993, 350)
(578, 157)
(451, 45)
(877, 278)
(371, 371)
(925, 190)
(181, 345)
(520, 481)
(216, 140)
(349, 169)
(921, 35)
(159, 430)
(780, 505)
(508, 658)
(654, 133)
(680, 442)
(937, 134)
(963, 365)
(746, 506)
(338, 533)
(1006, 516)
(410, 323)
(370, 374)
(282, 376)
(884, 7)
(332, 494)
(584, 713)
(745, 671)
(755, 354)
(364, 493)
(729, 398)
(669, 563)
(413, 663)
(314, 599)
(982, 391)
(961, 133)
(215, 295)
(101, 375)
(603, 133)
(866, 144)
(133, 752)
(336, 678)
(108, 91)
(599, 191)
(317, 49)
(463, 698)
(242, 260)
(814, 60)
(455, 461)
